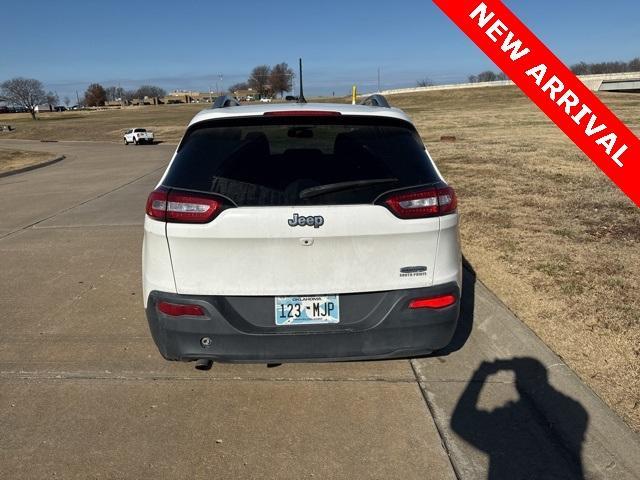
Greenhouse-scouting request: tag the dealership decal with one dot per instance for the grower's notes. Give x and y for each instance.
(553, 87)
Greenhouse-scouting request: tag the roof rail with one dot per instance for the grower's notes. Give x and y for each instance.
(375, 100)
(224, 101)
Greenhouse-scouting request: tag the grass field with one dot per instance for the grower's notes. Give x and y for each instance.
(168, 122)
(542, 226)
(14, 159)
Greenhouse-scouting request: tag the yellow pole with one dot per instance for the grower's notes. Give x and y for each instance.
(354, 94)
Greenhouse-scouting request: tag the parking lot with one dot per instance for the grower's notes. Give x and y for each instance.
(85, 394)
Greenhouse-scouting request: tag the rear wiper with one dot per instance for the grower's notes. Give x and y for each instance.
(336, 187)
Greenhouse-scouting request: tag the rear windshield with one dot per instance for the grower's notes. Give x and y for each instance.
(140, 130)
(286, 161)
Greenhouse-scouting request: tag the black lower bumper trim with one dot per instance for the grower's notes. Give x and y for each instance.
(390, 330)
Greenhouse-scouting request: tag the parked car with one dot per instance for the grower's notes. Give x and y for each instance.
(137, 136)
(292, 232)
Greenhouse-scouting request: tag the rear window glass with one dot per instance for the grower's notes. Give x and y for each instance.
(140, 130)
(286, 161)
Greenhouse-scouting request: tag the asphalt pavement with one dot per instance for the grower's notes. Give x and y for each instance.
(85, 394)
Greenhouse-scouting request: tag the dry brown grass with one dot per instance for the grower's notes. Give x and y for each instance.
(542, 226)
(15, 159)
(168, 122)
(545, 229)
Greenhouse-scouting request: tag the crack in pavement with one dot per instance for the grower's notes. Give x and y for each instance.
(9, 376)
(431, 410)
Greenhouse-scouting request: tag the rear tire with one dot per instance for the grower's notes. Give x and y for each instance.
(136, 141)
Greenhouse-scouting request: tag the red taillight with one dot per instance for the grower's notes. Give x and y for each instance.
(185, 208)
(439, 301)
(157, 204)
(181, 207)
(431, 202)
(302, 113)
(180, 310)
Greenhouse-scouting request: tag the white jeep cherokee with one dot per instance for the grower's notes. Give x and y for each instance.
(292, 232)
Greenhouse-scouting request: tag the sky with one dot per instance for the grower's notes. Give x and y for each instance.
(68, 44)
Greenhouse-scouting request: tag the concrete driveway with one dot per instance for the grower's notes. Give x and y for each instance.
(85, 394)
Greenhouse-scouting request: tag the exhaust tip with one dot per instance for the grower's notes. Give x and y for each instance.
(204, 364)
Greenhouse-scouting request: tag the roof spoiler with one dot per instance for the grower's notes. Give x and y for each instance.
(224, 101)
(376, 100)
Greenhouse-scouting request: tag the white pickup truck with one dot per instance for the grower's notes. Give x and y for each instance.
(137, 136)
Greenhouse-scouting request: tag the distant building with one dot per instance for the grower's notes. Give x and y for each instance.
(251, 94)
(148, 101)
(243, 95)
(190, 96)
(45, 107)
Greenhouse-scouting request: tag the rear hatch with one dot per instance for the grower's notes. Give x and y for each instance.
(302, 205)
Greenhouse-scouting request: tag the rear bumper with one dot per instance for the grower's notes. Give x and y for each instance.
(388, 329)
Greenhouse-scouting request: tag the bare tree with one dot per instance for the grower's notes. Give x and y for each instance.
(580, 68)
(425, 82)
(150, 91)
(281, 78)
(24, 92)
(129, 95)
(95, 96)
(238, 86)
(67, 101)
(52, 99)
(487, 76)
(259, 79)
(114, 93)
(583, 68)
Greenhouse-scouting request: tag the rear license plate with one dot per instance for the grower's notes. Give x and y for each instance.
(307, 310)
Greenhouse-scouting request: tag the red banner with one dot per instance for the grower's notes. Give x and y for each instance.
(553, 87)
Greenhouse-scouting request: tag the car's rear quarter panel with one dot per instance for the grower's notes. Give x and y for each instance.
(157, 273)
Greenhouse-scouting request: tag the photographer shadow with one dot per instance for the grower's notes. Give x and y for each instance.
(519, 439)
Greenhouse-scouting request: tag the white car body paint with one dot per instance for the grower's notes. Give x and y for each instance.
(254, 251)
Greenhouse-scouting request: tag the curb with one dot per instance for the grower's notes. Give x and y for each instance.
(32, 167)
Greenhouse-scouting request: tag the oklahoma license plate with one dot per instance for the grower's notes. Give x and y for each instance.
(307, 310)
